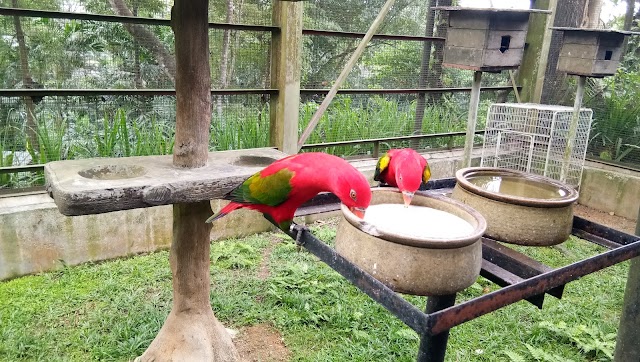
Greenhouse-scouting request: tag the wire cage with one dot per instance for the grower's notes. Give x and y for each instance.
(536, 138)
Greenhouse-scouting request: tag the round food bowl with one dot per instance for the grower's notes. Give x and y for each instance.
(433, 263)
(520, 208)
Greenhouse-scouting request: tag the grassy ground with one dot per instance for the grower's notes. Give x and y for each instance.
(112, 311)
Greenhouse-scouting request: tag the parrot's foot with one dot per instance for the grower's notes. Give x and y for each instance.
(299, 229)
(191, 336)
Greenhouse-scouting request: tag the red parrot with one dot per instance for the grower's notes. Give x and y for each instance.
(279, 189)
(403, 168)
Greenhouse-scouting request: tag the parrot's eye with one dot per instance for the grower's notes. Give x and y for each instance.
(353, 195)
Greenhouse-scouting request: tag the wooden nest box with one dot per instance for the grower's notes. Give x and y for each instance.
(590, 52)
(485, 39)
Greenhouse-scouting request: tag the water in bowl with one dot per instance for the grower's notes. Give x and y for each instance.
(517, 186)
(417, 221)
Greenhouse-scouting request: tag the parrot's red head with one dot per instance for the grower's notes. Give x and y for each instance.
(410, 176)
(353, 190)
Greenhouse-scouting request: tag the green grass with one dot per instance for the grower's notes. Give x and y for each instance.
(111, 311)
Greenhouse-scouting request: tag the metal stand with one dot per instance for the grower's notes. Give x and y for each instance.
(522, 278)
(433, 348)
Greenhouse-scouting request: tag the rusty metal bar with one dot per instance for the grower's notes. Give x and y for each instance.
(464, 312)
(516, 263)
(347, 34)
(8, 11)
(595, 239)
(406, 90)
(504, 278)
(394, 303)
(434, 347)
(120, 92)
(388, 139)
(602, 231)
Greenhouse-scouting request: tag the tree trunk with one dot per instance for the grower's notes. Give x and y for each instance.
(191, 331)
(224, 58)
(147, 39)
(438, 54)
(137, 72)
(424, 71)
(628, 21)
(591, 15)
(568, 14)
(27, 82)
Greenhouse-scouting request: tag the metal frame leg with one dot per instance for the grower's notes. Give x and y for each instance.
(433, 348)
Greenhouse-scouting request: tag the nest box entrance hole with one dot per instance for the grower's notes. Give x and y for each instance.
(505, 41)
(608, 54)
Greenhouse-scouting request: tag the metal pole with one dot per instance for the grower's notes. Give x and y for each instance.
(627, 346)
(473, 117)
(573, 128)
(433, 348)
(345, 72)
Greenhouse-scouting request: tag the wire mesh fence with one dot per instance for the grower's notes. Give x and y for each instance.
(73, 127)
(384, 116)
(65, 53)
(255, 12)
(84, 54)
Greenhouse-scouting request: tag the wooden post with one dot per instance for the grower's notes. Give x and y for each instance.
(627, 346)
(191, 331)
(286, 49)
(472, 118)
(534, 63)
(573, 128)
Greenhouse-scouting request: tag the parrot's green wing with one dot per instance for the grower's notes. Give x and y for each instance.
(269, 190)
(383, 163)
(426, 173)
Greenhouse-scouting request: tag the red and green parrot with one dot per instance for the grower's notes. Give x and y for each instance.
(403, 168)
(279, 189)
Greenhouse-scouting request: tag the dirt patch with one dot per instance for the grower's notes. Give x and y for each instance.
(261, 343)
(604, 218)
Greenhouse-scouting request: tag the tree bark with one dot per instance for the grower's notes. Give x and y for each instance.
(628, 21)
(27, 82)
(193, 86)
(147, 39)
(438, 53)
(568, 14)
(224, 58)
(591, 16)
(424, 70)
(191, 331)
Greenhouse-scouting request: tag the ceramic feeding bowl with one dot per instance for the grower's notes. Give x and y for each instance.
(520, 208)
(432, 247)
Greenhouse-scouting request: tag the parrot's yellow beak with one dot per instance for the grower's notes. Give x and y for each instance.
(358, 211)
(407, 196)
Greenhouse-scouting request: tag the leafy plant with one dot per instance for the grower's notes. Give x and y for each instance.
(616, 129)
(590, 340)
(107, 138)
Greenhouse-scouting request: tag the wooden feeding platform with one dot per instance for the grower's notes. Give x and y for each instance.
(485, 39)
(591, 52)
(99, 185)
